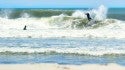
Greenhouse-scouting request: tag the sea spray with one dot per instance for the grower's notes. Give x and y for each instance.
(25, 15)
(78, 20)
(79, 14)
(100, 13)
(5, 13)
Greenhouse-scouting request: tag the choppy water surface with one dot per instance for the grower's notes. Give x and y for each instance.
(62, 50)
(63, 36)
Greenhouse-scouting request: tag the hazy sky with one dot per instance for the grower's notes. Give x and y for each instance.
(59, 3)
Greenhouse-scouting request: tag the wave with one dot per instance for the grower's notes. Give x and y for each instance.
(76, 20)
(94, 51)
(35, 13)
(62, 24)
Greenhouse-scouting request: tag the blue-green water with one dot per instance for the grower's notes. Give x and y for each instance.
(115, 13)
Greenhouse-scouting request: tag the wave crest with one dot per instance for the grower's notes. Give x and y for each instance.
(79, 51)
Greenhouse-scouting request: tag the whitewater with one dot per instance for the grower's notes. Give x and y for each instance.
(63, 25)
(63, 36)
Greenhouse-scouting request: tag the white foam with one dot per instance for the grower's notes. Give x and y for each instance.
(97, 14)
(44, 27)
(14, 28)
(100, 13)
(79, 14)
(96, 51)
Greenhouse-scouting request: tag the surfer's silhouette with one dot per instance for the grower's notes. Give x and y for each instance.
(88, 16)
(25, 27)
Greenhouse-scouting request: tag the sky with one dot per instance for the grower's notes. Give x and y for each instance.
(60, 3)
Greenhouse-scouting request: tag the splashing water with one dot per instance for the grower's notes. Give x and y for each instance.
(78, 19)
(64, 25)
(25, 15)
(100, 13)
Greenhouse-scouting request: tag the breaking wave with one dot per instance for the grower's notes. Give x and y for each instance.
(59, 23)
(76, 20)
(95, 51)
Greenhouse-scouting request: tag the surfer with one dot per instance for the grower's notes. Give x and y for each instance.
(25, 27)
(88, 16)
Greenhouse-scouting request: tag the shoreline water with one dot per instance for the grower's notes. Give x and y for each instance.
(53, 66)
(62, 50)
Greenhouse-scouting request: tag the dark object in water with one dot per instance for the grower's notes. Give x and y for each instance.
(25, 27)
(88, 16)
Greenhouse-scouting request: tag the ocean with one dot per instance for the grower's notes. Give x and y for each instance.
(62, 35)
